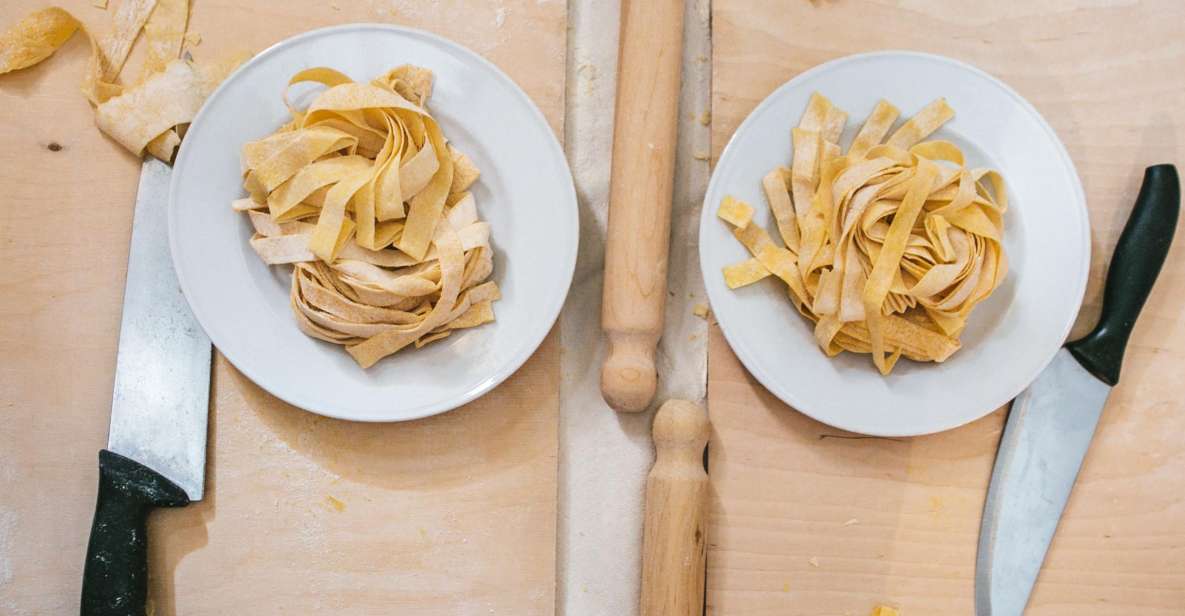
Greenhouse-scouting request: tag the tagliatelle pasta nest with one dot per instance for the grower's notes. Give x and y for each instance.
(887, 247)
(363, 194)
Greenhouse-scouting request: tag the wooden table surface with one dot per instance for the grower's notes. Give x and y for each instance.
(303, 515)
(807, 519)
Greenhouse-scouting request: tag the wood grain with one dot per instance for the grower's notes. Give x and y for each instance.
(674, 541)
(304, 515)
(809, 520)
(640, 189)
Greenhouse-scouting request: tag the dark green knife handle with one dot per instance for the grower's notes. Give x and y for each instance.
(115, 580)
(1139, 254)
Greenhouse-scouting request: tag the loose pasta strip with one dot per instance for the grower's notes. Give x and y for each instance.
(147, 115)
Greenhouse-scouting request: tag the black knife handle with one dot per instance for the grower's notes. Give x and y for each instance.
(115, 579)
(1139, 254)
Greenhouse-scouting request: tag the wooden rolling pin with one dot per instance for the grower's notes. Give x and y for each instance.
(635, 293)
(674, 538)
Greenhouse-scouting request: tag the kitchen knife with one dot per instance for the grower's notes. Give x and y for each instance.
(1052, 422)
(156, 447)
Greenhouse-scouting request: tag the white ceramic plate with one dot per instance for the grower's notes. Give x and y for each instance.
(1009, 338)
(525, 193)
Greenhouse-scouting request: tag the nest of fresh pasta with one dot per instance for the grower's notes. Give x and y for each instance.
(368, 201)
(887, 247)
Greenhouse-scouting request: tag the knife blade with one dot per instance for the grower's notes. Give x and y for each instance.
(1051, 424)
(156, 446)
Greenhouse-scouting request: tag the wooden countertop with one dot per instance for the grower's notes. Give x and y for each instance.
(303, 515)
(807, 519)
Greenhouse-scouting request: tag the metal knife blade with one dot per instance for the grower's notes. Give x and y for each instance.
(162, 378)
(1052, 422)
(156, 448)
(1046, 438)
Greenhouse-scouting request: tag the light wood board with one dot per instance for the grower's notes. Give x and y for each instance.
(452, 515)
(808, 520)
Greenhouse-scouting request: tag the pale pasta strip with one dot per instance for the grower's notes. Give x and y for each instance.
(144, 117)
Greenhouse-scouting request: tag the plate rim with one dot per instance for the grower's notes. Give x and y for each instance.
(568, 259)
(1078, 197)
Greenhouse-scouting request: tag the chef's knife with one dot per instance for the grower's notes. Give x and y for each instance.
(1052, 422)
(156, 448)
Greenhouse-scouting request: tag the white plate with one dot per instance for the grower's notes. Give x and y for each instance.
(1009, 338)
(525, 193)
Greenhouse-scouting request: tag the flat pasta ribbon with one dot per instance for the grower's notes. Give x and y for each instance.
(143, 117)
(886, 248)
(363, 194)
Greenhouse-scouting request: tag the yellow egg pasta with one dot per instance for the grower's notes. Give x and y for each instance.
(35, 38)
(174, 94)
(887, 247)
(364, 196)
(145, 116)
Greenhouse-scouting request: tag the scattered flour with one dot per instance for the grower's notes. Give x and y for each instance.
(7, 535)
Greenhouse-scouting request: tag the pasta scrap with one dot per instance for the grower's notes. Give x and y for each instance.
(364, 196)
(888, 247)
(146, 116)
(175, 95)
(35, 38)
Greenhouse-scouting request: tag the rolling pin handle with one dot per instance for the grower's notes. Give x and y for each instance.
(681, 429)
(674, 537)
(629, 377)
(638, 231)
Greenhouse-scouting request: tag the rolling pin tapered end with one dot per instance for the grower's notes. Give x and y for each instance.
(681, 425)
(629, 378)
(674, 537)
